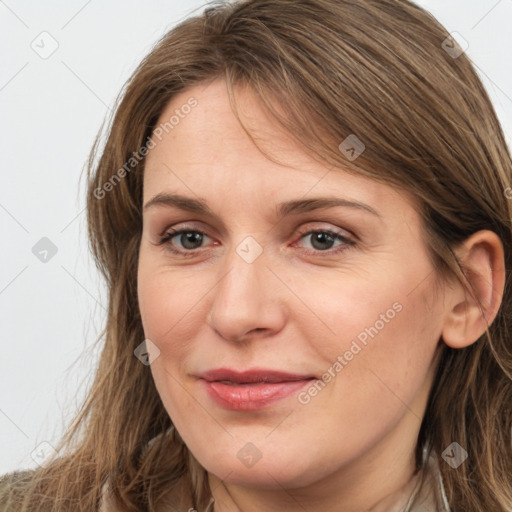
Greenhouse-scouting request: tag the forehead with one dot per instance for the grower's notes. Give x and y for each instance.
(205, 152)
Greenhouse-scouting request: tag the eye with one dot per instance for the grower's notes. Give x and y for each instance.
(323, 240)
(188, 240)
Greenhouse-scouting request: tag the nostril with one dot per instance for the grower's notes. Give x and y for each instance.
(258, 329)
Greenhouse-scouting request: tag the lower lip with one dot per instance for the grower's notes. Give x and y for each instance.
(250, 397)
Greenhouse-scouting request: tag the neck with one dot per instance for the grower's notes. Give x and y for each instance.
(382, 480)
(396, 501)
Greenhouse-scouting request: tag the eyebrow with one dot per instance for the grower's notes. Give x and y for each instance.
(295, 206)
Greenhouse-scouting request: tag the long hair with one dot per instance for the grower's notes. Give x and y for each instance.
(325, 70)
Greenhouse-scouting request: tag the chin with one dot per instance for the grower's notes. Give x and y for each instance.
(265, 477)
(295, 470)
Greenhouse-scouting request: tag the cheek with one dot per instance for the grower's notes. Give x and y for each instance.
(344, 309)
(395, 350)
(168, 321)
(168, 303)
(380, 341)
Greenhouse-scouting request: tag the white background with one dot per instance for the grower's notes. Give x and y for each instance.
(51, 110)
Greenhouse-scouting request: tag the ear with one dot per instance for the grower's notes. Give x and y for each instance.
(473, 307)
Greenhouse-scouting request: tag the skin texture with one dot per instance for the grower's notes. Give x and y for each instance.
(295, 308)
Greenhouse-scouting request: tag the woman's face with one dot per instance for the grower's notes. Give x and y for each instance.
(268, 276)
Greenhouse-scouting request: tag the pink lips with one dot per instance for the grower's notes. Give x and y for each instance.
(251, 390)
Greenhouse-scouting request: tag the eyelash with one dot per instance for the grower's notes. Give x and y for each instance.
(169, 235)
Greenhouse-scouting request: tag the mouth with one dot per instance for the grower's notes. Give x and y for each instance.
(251, 390)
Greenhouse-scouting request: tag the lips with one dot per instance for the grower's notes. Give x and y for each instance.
(252, 376)
(252, 389)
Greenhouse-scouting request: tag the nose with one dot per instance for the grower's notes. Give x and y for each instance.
(249, 300)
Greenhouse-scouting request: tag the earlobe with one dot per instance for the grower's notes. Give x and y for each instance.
(473, 307)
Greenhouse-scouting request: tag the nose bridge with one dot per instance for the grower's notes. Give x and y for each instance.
(246, 297)
(243, 285)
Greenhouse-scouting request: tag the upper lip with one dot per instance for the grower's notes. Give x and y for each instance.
(254, 375)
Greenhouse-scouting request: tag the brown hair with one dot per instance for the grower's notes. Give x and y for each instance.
(373, 68)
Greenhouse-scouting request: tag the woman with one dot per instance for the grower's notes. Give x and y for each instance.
(300, 212)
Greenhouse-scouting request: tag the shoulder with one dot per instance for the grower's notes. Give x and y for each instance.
(430, 496)
(177, 498)
(12, 487)
(10, 480)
